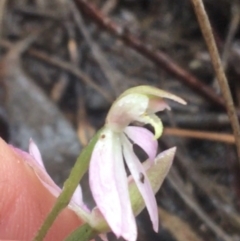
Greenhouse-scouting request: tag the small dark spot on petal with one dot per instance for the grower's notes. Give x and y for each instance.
(103, 136)
(142, 178)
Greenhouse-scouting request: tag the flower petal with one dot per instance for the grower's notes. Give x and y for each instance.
(154, 121)
(35, 153)
(141, 179)
(156, 174)
(126, 110)
(40, 172)
(77, 196)
(143, 138)
(108, 183)
(153, 92)
(157, 104)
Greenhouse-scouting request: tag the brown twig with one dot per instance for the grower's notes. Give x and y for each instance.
(54, 61)
(180, 229)
(227, 138)
(72, 69)
(109, 6)
(221, 202)
(2, 11)
(156, 56)
(216, 61)
(110, 73)
(85, 130)
(233, 27)
(37, 12)
(180, 188)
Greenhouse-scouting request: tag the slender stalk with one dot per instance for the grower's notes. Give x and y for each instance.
(70, 185)
(84, 233)
(216, 61)
(205, 135)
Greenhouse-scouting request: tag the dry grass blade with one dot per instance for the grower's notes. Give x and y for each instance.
(85, 130)
(179, 187)
(156, 56)
(227, 138)
(233, 27)
(178, 228)
(2, 9)
(216, 61)
(66, 66)
(110, 73)
(221, 202)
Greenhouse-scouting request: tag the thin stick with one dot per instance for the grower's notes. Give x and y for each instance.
(148, 51)
(227, 138)
(55, 61)
(222, 80)
(2, 10)
(178, 185)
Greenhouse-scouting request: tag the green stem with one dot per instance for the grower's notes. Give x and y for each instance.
(70, 185)
(83, 233)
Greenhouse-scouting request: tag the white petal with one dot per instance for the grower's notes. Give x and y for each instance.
(35, 153)
(143, 138)
(108, 184)
(77, 196)
(142, 182)
(126, 110)
(129, 228)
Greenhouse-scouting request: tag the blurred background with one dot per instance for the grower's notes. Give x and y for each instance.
(62, 63)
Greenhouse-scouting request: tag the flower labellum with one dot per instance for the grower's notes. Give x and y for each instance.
(107, 175)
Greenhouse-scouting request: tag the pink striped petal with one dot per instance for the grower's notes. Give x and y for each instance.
(143, 138)
(142, 182)
(108, 183)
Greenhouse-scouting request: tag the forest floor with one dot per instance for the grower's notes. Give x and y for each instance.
(64, 62)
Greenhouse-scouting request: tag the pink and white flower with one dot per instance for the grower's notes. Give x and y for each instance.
(107, 174)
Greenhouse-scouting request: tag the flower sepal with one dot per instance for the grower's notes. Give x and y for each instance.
(155, 173)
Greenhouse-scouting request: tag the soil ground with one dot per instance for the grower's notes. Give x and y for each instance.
(64, 62)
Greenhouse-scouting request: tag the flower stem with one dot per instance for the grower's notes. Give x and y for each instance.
(70, 185)
(83, 233)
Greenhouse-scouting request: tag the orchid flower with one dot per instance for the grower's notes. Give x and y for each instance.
(28, 194)
(107, 175)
